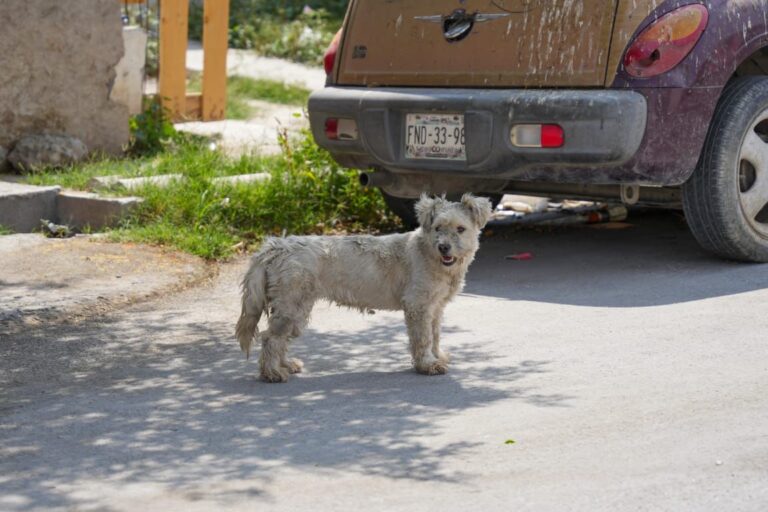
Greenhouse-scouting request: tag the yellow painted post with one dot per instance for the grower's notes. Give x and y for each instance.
(174, 20)
(215, 42)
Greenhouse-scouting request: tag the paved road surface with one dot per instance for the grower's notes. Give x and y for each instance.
(630, 370)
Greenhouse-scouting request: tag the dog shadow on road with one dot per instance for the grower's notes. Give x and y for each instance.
(153, 399)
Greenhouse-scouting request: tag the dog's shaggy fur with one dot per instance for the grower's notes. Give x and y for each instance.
(417, 272)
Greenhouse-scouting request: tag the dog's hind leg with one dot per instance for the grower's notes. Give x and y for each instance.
(288, 319)
(273, 351)
(419, 322)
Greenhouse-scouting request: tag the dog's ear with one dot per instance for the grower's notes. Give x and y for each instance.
(426, 209)
(479, 208)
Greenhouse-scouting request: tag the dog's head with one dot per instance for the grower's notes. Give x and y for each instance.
(451, 229)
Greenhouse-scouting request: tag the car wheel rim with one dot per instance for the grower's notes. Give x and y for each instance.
(753, 175)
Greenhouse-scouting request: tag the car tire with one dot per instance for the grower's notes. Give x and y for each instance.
(403, 207)
(726, 199)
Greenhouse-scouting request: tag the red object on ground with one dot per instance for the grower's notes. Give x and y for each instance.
(523, 256)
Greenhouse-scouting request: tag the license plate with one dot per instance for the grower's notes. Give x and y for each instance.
(435, 136)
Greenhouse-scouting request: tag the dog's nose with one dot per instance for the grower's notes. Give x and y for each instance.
(444, 248)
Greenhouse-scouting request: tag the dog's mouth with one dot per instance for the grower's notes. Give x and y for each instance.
(447, 260)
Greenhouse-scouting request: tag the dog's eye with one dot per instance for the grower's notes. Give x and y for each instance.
(461, 229)
(437, 228)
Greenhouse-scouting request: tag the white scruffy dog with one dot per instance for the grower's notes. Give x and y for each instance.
(417, 272)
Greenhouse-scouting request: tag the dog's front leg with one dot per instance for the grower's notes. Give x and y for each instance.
(419, 322)
(437, 319)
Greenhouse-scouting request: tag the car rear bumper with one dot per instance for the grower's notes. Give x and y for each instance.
(603, 128)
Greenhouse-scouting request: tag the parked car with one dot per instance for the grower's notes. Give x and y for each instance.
(647, 101)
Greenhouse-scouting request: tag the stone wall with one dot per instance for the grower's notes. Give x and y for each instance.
(57, 71)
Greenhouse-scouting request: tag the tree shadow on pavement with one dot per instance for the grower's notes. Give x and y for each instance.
(90, 411)
(654, 262)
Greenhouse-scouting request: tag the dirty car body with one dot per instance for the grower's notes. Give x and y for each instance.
(555, 97)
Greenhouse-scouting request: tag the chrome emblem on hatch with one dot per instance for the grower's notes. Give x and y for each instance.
(458, 24)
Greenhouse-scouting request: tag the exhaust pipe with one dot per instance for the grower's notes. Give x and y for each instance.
(375, 179)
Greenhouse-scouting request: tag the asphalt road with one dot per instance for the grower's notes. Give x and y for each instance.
(616, 370)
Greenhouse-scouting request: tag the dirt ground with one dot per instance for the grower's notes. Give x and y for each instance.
(46, 280)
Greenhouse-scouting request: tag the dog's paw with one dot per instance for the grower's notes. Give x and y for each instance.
(272, 375)
(293, 365)
(438, 367)
(445, 357)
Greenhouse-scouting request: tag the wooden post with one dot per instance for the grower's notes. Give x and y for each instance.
(215, 43)
(174, 16)
(174, 20)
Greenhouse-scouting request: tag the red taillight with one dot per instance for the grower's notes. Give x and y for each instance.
(666, 42)
(332, 128)
(340, 128)
(330, 54)
(537, 136)
(552, 136)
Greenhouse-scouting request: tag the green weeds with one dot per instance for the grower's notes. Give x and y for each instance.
(279, 28)
(307, 193)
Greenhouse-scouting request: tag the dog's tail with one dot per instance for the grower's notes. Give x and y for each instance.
(254, 303)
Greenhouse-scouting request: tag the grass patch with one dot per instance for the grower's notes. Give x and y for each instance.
(308, 193)
(241, 89)
(267, 90)
(5, 230)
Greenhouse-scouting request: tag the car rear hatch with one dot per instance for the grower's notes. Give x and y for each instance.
(473, 43)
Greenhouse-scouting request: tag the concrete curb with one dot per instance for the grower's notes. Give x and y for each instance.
(164, 180)
(22, 207)
(80, 209)
(120, 183)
